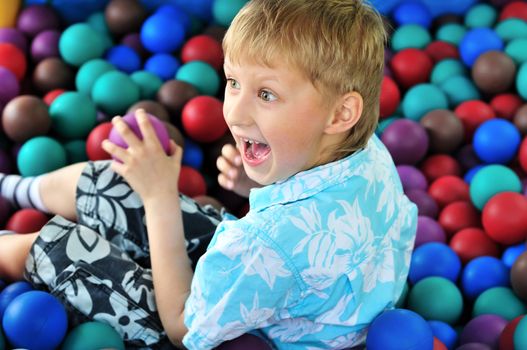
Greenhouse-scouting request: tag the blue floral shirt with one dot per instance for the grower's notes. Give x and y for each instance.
(315, 260)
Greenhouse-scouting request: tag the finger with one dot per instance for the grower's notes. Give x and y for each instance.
(232, 154)
(175, 151)
(225, 182)
(226, 168)
(126, 133)
(115, 151)
(147, 129)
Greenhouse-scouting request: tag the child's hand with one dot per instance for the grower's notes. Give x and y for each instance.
(232, 175)
(145, 165)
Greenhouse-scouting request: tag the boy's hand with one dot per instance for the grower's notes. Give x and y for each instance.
(145, 165)
(232, 175)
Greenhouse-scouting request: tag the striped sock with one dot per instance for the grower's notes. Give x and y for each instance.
(22, 192)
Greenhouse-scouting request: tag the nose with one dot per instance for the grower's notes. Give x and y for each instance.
(237, 109)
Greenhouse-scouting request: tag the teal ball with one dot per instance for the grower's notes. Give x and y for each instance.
(75, 151)
(40, 155)
(149, 84)
(491, 180)
(73, 115)
(114, 92)
(89, 72)
(459, 89)
(224, 11)
(512, 28)
(521, 81)
(452, 33)
(93, 336)
(410, 36)
(201, 75)
(517, 50)
(421, 99)
(447, 68)
(481, 15)
(80, 43)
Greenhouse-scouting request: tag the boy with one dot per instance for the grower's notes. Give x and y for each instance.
(326, 244)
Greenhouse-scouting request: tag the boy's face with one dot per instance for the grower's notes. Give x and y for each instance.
(277, 118)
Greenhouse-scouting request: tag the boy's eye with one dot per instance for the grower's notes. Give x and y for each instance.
(267, 96)
(233, 83)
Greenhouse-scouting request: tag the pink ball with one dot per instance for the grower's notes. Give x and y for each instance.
(130, 119)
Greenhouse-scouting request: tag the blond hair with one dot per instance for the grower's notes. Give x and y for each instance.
(337, 44)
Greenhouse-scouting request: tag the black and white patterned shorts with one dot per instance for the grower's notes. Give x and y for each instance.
(99, 266)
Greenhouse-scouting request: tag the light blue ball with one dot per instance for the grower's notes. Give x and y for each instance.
(161, 34)
(478, 41)
(164, 65)
(410, 36)
(481, 15)
(124, 58)
(521, 81)
(451, 33)
(201, 75)
(40, 155)
(459, 89)
(421, 99)
(447, 68)
(496, 141)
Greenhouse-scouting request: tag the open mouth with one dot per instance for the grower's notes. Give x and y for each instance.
(255, 152)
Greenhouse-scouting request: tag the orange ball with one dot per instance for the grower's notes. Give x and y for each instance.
(504, 218)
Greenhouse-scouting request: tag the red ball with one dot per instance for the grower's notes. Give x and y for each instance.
(390, 97)
(472, 114)
(505, 218)
(26, 221)
(411, 67)
(191, 183)
(12, 58)
(438, 345)
(506, 105)
(93, 143)
(203, 48)
(447, 189)
(202, 119)
(507, 335)
(472, 242)
(522, 154)
(516, 9)
(440, 50)
(52, 95)
(439, 165)
(457, 216)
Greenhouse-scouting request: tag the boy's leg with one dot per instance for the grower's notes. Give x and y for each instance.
(14, 250)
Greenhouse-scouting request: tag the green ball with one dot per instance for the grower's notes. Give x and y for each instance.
(481, 15)
(89, 72)
(520, 334)
(93, 336)
(223, 11)
(447, 68)
(499, 301)
(201, 75)
(114, 92)
(511, 28)
(75, 151)
(40, 155)
(521, 81)
(491, 180)
(459, 89)
(73, 115)
(421, 99)
(80, 43)
(436, 298)
(452, 33)
(517, 50)
(148, 84)
(410, 36)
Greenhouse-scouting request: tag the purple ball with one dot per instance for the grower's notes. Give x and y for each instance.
(467, 157)
(133, 40)
(9, 86)
(6, 162)
(45, 44)
(15, 37)
(130, 119)
(485, 329)
(426, 205)
(406, 140)
(412, 178)
(37, 18)
(474, 346)
(428, 230)
(246, 341)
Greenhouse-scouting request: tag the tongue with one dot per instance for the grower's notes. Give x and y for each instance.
(257, 151)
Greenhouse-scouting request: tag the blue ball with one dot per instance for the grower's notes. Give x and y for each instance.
(161, 34)
(469, 175)
(399, 329)
(496, 141)
(192, 155)
(124, 58)
(483, 273)
(164, 65)
(510, 254)
(458, 7)
(385, 7)
(434, 259)
(202, 9)
(478, 41)
(412, 13)
(445, 333)
(35, 320)
(175, 13)
(11, 292)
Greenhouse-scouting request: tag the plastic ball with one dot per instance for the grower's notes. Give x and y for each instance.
(521, 81)
(164, 65)
(459, 89)
(494, 72)
(114, 92)
(24, 117)
(175, 94)
(436, 298)
(469, 175)
(124, 58)
(191, 183)
(27, 220)
(40, 155)
(507, 335)
(148, 83)
(441, 50)
(192, 155)
(177, 14)
(89, 72)
(517, 50)
(409, 328)
(203, 48)
(434, 259)
(467, 158)
(438, 165)
(12, 58)
(80, 43)
(45, 44)
(202, 119)
(412, 178)
(411, 67)
(224, 11)
(472, 242)
(410, 36)
(94, 140)
(421, 99)
(506, 105)
(510, 29)
(446, 69)
(520, 334)
(201, 75)
(124, 16)
(425, 204)
(522, 155)
(52, 73)
(15, 37)
(131, 120)
(390, 97)
(481, 15)
(73, 115)
(75, 151)
(519, 276)
(37, 18)
(478, 41)
(504, 218)
(412, 13)
(246, 341)
(152, 107)
(428, 230)
(472, 114)
(93, 336)
(52, 95)
(510, 254)
(448, 189)
(406, 140)
(474, 346)
(520, 119)
(457, 216)
(444, 332)
(491, 180)
(10, 292)
(499, 301)
(451, 33)
(10, 86)
(484, 329)
(514, 9)
(35, 319)
(160, 33)
(483, 273)
(445, 130)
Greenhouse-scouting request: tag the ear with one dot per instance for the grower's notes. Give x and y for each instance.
(347, 113)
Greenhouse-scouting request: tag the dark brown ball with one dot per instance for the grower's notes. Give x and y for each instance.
(124, 16)
(215, 31)
(152, 107)
(494, 72)
(175, 134)
(445, 130)
(519, 276)
(174, 94)
(53, 73)
(25, 117)
(520, 119)
(447, 18)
